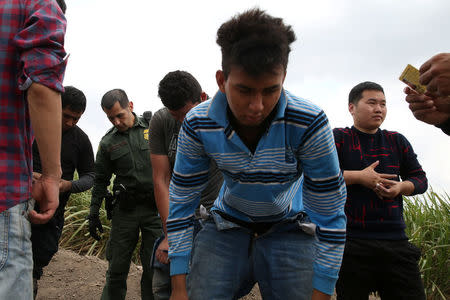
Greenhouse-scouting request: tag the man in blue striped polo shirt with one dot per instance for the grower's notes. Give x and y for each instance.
(279, 218)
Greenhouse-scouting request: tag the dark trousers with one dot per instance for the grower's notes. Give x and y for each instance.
(126, 225)
(45, 240)
(387, 267)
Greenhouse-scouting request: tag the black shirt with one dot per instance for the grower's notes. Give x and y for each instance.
(76, 154)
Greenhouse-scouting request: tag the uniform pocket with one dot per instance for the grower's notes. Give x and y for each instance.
(121, 159)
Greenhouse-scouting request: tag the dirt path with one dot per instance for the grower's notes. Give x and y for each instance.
(71, 276)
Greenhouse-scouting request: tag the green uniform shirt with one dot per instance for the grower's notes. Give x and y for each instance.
(127, 155)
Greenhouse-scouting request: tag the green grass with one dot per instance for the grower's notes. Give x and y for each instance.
(427, 218)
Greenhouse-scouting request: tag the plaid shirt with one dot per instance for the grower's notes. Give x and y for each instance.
(31, 50)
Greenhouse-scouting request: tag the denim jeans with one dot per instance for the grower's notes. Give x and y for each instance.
(16, 262)
(228, 259)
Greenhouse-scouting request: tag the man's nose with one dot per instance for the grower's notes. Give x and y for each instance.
(256, 103)
(378, 107)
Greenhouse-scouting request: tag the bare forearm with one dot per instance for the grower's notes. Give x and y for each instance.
(179, 291)
(162, 202)
(407, 188)
(45, 114)
(352, 177)
(318, 295)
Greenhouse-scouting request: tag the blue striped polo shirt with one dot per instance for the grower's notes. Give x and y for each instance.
(294, 169)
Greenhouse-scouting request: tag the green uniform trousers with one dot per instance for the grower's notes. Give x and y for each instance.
(121, 244)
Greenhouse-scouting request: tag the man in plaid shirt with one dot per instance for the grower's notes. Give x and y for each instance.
(32, 64)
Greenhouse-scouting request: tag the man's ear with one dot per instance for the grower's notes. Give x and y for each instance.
(203, 96)
(351, 108)
(130, 105)
(220, 79)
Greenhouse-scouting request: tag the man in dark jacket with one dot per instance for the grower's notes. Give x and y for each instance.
(76, 154)
(377, 255)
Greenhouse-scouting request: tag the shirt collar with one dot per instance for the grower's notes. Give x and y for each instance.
(139, 121)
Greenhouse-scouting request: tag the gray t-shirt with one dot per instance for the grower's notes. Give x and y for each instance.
(163, 137)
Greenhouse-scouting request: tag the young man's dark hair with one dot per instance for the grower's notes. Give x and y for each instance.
(255, 41)
(62, 5)
(177, 88)
(356, 93)
(113, 96)
(73, 99)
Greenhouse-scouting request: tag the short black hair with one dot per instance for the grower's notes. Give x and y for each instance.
(73, 99)
(62, 5)
(356, 93)
(111, 97)
(255, 41)
(177, 88)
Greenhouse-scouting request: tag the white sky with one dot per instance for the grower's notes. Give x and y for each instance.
(132, 44)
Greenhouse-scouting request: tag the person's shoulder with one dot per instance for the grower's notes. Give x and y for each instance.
(162, 116)
(78, 131)
(109, 135)
(199, 111)
(342, 131)
(301, 105)
(391, 133)
(162, 113)
(394, 135)
(81, 136)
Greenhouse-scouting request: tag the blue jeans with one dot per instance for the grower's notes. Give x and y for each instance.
(228, 259)
(16, 262)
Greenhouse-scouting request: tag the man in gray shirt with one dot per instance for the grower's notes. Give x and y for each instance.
(179, 92)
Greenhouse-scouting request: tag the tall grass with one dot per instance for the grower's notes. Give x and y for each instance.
(427, 218)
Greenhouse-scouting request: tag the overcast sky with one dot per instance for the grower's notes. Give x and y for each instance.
(132, 44)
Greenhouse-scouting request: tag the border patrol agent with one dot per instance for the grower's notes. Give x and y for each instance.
(124, 151)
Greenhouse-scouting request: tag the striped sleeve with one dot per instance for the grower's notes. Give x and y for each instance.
(189, 178)
(324, 195)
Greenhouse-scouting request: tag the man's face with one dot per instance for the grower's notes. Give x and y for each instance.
(69, 118)
(179, 114)
(251, 99)
(369, 112)
(121, 118)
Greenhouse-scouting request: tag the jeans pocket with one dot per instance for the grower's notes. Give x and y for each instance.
(4, 230)
(305, 224)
